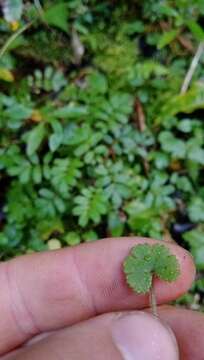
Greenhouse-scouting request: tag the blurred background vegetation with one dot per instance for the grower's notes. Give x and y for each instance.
(102, 124)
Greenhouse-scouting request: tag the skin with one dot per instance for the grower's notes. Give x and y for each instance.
(64, 302)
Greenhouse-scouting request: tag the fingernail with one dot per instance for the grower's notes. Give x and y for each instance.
(142, 336)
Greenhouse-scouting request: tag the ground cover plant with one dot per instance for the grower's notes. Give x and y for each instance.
(101, 124)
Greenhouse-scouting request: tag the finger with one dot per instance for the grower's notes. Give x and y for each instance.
(43, 292)
(135, 335)
(188, 327)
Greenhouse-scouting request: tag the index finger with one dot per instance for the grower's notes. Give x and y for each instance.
(43, 292)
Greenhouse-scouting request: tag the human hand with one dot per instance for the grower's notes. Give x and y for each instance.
(74, 304)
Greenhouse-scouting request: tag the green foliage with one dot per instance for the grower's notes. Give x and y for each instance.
(196, 30)
(196, 209)
(72, 238)
(167, 37)
(60, 21)
(195, 239)
(90, 205)
(47, 80)
(35, 138)
(146, 261)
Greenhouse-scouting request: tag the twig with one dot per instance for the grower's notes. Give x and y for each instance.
(13, 38)
(78, 47)
(165, 26)
(167, 236)
(139, 115)
(192, 68)
(186, 43)
(153, 300)
(140, 120)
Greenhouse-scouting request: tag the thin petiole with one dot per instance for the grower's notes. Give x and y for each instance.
(153, 301)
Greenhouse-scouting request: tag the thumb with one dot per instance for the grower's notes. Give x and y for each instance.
(139, 335)
(129, 336)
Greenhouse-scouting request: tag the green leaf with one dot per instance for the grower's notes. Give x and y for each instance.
(115, 224)
(161, 160)
(145, 261)
(55, 141)
(57, 15)
(6, 75)
(71, 111)
(90, 205)
(196, 30)
(35, 138)
(98, 83)
(200, 285)
(166, 9)
(47, 227)
(134, 27)
(3, 240)
(167, 37)
(72, 238)
(172, 145)
(186, 103)
(139, 281)
(144, 219)
(16, 113)
(89, 236)
(166, 265)
(37, 174)
(65, 173)
(196, 154)
(185, 126)
(195, 239)
(196, 209)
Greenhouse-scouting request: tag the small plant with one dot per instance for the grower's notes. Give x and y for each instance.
(144, 263)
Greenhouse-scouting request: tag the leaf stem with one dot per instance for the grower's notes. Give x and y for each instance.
(13, 38)
(153, 301)
(192, 68)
